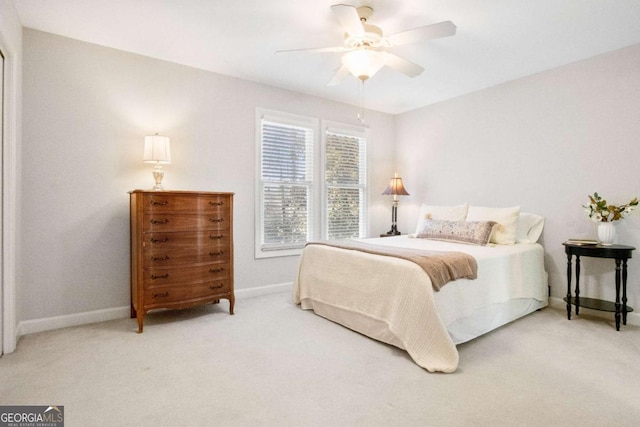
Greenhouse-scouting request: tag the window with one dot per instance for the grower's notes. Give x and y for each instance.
(345, 183)
(285, 194)
(292, 207)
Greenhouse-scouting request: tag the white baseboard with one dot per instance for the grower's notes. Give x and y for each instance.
(264, 290)
(633, 318)
(34, 326)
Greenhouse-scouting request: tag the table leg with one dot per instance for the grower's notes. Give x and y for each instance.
(618, 294)
(624, 291)
(569, 286)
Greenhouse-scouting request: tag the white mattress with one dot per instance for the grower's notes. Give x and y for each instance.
(376, 295)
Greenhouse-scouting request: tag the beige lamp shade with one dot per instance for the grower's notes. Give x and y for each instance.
(395, 187)
(157, 149)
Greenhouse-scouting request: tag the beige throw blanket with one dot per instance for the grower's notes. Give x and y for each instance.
(442, 267)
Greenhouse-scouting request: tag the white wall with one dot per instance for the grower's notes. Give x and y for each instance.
(86, 111)
(545, 142)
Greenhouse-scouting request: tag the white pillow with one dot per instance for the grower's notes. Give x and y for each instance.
(529, 228)
(504, 233)
(443, 213)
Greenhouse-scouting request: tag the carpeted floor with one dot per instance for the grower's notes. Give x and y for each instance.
(273, 364)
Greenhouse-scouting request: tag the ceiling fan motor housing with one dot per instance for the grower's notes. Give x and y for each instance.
(370, 38)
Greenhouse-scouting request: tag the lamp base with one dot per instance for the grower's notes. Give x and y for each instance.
(158, 174)
(394, 220)
(394, 228)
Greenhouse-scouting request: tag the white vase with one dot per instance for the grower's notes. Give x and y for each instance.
(606, 233)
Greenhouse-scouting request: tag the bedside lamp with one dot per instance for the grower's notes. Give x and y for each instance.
(395, 189)
(157, 150)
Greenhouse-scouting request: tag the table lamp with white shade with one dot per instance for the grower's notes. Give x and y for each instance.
(157, 150)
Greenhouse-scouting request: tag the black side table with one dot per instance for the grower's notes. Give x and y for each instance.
(621, 254)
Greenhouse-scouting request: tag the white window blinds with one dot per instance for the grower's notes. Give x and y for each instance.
(307, 187)
(345, 179)
(286, 178)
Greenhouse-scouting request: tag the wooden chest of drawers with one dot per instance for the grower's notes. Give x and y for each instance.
(181, 250)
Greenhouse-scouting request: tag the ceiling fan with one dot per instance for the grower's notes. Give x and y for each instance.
(365, 45)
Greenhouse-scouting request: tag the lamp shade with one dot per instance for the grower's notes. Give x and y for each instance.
(364, 63)
(157, 149)
(395, 187)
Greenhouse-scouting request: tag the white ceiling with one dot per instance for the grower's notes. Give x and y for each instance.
(496, 40)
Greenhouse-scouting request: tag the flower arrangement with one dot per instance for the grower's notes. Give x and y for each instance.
(599, 211)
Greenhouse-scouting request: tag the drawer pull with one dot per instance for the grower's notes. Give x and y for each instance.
(216, 253)
(216, 270)
(213, 287)
(216, 237)
(164, 276)
(216, 203)
(160, 221)
(217, 220)
(163, 240)
(160, 258)
(162, 203)
(161, 295)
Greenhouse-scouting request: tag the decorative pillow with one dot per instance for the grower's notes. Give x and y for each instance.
(504, 233)
(529, 228)
(446, 213)
(471, 232)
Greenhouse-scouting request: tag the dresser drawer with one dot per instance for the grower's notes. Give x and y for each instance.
(163, 297)
(190, 256)
(167, 202)
(184, 276)
(188, 239)
(220, 220)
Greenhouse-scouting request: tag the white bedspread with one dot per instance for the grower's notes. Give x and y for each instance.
(392, 300)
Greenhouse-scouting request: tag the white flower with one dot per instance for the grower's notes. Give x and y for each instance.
(599, 211)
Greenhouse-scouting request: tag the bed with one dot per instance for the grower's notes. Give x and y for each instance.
(393, 300)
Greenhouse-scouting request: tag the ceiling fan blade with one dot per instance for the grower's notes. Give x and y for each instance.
(428, 32)
(400, 64)
(315, 50)
(348, 18)
(338, 76)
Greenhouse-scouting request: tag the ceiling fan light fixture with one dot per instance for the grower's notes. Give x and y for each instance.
(364, 63)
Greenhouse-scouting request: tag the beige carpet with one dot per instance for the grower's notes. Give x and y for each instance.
(273, 364)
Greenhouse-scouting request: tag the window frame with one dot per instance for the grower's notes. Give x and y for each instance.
(328, 126)
(292, 120)
(317, 214)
